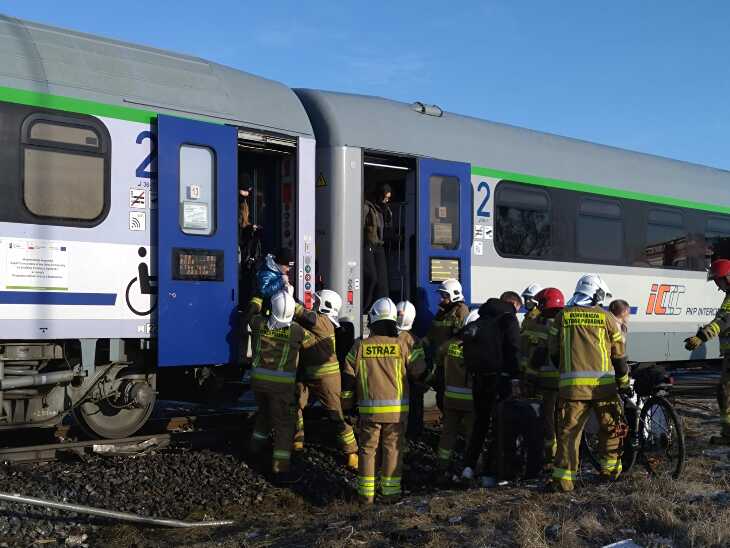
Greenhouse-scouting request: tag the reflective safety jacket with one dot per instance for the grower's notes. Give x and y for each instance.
(720, 326)
(377, 371)
(587, 343)
(445, 325)
(536, 361)
(319, 354)
(457, 380)
(528, 336)
(275, 355)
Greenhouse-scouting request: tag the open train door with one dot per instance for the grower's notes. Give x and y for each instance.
(197, 242)
(444, 233)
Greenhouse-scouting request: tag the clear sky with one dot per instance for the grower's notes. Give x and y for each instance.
(647, 75)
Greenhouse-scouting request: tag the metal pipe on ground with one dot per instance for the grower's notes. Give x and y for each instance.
(36, 380)
(124, 516)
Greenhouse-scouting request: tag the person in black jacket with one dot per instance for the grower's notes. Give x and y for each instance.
(491, 354)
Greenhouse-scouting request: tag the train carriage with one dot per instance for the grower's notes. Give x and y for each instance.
(119, 218)
(499, 207)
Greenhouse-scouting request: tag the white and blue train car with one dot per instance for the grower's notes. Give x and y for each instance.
(121, 168)
(500, 207)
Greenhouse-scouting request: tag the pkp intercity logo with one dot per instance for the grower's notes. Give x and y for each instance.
(664, 300)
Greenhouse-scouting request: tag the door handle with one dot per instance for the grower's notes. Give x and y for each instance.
(172, 294)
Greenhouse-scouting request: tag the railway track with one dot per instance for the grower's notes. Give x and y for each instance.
(191, 431)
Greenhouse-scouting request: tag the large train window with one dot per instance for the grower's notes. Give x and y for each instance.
(522, 225)
(444, 202)
(65, 168)
(600, 221)
(197, 190)
(667, 240)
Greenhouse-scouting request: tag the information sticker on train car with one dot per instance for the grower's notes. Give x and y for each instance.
(197, 264)
(195, 215)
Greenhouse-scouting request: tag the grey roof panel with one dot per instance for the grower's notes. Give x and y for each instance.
(63, 62)
(382, 124)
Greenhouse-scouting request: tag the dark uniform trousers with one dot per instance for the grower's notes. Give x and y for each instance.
(277, 411)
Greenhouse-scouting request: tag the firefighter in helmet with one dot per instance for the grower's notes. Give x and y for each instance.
(719, 327)
(541, 373)
(320, 370)
(588, 345)
(377, 370)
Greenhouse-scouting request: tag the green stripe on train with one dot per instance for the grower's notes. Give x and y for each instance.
(79, 106)
(595, 189)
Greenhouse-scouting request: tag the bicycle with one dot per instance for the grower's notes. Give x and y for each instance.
(653, 433)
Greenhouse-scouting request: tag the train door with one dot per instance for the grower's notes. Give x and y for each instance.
(197, 242)
(444, 233)
(276, 207)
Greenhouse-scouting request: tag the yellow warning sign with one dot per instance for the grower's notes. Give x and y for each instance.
(321, 181)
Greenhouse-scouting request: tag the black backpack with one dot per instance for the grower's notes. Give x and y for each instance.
(483, 346)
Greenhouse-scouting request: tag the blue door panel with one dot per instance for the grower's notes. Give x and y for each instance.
(197, 312)
(427, 299)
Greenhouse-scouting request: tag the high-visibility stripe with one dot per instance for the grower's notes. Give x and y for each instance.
(366, 485)
(567, 350)
(398, 379)
(280, 454)
(390, 485)
(616, 336)
(300, 423)
(602, 349)
(563, 474)
(258, 301)
(346, 394)
(257, 351)
(364, 378)
(283, 377)
(444, 454)
(536, 334)
(713, 328)
(455, 350)
(585, 374)
(260, 435)
(587, 381)
(350, 358)
(384, 409)
(455, 396)
(372, 403)
(284, 358)
(416, 354)
(323, 370)
(623, 379)
(348, 437)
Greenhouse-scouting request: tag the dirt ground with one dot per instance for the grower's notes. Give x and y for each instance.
(691, 511)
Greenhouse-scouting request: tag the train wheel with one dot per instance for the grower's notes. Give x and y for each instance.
(118, 406)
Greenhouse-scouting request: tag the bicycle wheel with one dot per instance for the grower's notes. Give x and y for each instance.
(661, 438)
(589, 447)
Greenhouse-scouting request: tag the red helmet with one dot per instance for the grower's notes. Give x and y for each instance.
(550, 297)
(719, 269)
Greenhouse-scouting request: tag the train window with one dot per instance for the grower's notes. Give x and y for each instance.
(522, 226)
(445, 226)
(197, 190)
(64, 169)
(600, 221)
(667, 240)
(717, 239)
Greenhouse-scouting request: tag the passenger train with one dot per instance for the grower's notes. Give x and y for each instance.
(119, 223)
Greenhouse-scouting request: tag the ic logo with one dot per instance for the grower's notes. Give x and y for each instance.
(663, 300)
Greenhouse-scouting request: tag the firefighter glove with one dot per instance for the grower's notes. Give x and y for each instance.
(626, 390)
(692, 342)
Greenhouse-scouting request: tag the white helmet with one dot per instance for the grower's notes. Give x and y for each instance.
(453, 289)
(282, 310)
(328, 302)
(591, 285)
(383, 309)
(531, 290)
(472, 317)
(406, 315)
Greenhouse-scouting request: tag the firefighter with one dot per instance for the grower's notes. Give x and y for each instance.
(541, 373)
(529, 297)
(448, 321)
(276, 343)
(377, 370)
(719, 327)
(320, 370)
(406, 317)
(587, 344)
(458, 398)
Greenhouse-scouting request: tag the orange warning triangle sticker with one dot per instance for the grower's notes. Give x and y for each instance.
(321, 181)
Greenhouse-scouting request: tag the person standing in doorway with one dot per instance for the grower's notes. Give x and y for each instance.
(374, 265)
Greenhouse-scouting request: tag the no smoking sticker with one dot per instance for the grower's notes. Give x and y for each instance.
(137, 198)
